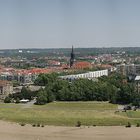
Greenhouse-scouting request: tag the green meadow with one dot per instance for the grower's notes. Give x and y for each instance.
(68, 113)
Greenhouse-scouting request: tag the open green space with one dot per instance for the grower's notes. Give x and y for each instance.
(68, 113)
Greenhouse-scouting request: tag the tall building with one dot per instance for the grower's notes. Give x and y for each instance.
(128, 69)
(72, 57)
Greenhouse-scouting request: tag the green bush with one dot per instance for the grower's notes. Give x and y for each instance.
(137, 125)
(17, 101)
(22, 124)
(33, 125)
(78, 124)
(42, 125)
(41, 99)
(38, 125)
(7, 100)
(128, 124)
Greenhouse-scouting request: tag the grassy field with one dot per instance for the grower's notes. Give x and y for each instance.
(68, 113)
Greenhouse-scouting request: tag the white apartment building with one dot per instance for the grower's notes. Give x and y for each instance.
(88, 75)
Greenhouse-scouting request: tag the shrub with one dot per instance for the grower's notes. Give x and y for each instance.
(22, 124)
(38, 125)
(42, 125)
(17, 100)
(128, 124)
(78, 124)
(137, 125)
(41, 99)
(33, 125)
(7, 100)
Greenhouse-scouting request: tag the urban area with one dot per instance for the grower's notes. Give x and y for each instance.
(26, 75)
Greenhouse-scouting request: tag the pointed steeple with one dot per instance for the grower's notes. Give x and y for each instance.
(72, 57)
(72, 49)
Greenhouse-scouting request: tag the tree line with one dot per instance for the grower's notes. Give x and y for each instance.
(113, 88)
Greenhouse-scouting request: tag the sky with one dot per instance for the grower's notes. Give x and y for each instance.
(63, 23)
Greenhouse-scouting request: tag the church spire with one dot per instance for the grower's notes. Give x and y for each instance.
(72, 49)
(72, 57)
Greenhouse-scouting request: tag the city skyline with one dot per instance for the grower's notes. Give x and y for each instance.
(61, 23)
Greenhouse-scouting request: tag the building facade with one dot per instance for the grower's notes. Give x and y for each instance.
(6, 88)
(88, 75)
(128, 69)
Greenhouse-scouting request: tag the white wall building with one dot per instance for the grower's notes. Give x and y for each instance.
(88, 75)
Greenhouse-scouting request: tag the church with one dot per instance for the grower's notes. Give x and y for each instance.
(73, 64)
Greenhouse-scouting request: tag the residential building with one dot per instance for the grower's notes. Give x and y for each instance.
(128, 69)
(6, 88)
(88, 75)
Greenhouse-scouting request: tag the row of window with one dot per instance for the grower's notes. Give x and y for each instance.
(94, 74)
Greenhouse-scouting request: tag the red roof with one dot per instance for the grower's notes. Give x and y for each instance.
(34, 71)
(5, 83)
(82, 65)
(104, 66)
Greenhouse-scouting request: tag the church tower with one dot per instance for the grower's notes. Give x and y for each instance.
(72, 57)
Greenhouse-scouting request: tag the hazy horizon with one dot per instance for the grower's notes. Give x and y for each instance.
(63, 23)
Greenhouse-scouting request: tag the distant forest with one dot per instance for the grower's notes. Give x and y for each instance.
(29, 53)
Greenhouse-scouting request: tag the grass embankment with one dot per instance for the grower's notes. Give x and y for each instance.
(67, 113)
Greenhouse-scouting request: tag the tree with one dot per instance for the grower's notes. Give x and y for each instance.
(26, 93)
(17, 100)
(125, 94)
(111, 88)
(44, 79)
(41, 98)
(7, 100)
(15, 83)
(136, 100)
(49, 93)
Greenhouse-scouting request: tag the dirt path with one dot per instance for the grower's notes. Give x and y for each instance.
(11, 131)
